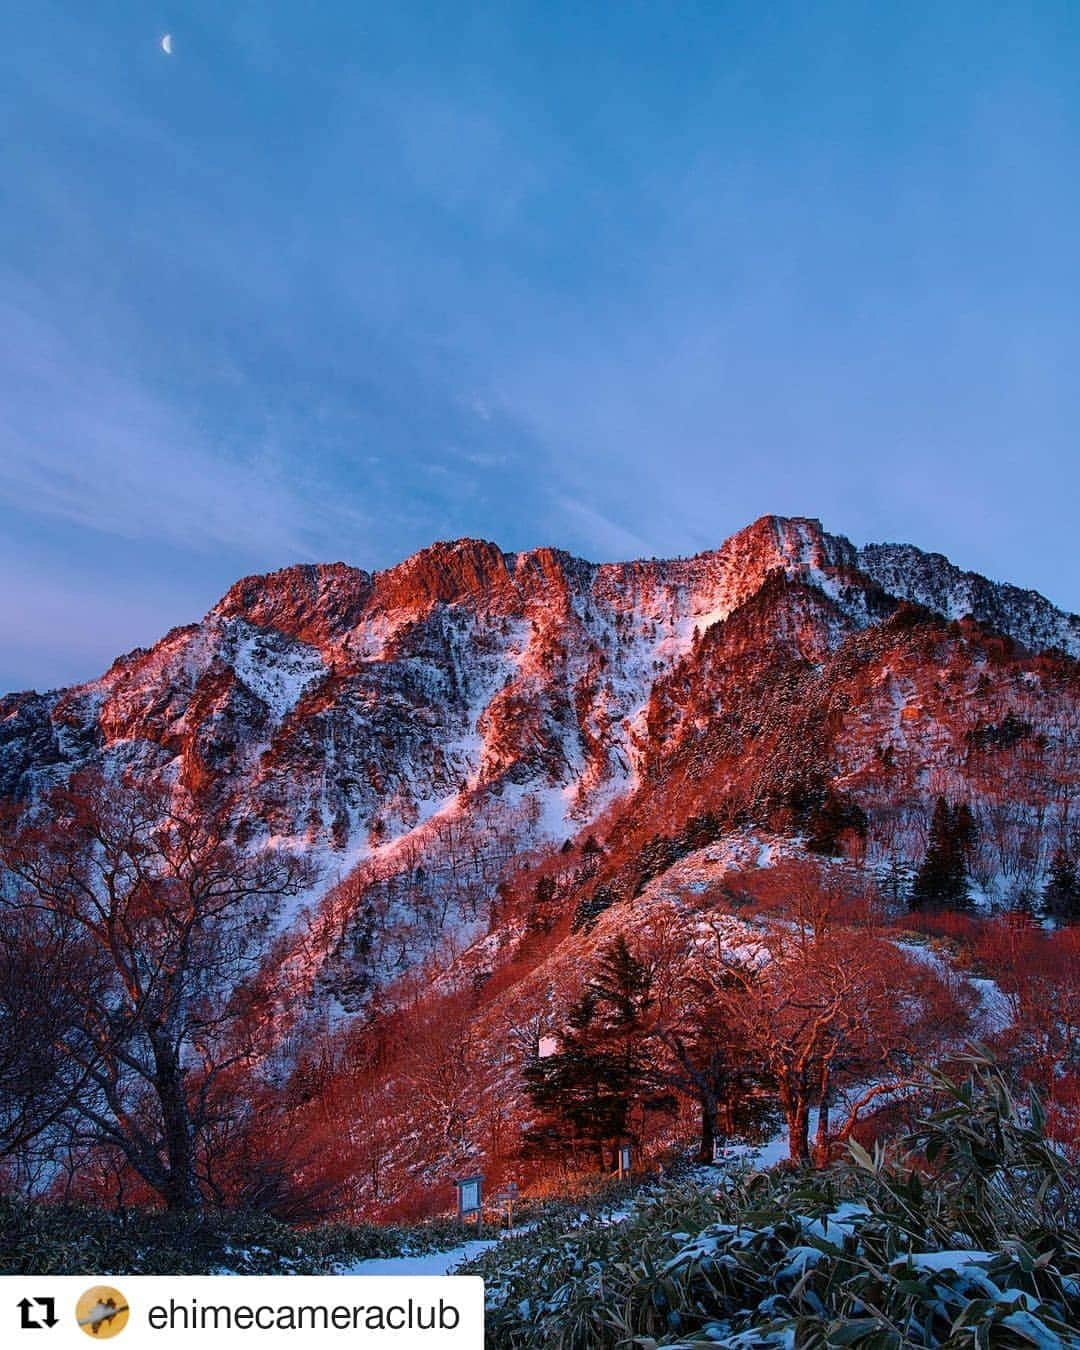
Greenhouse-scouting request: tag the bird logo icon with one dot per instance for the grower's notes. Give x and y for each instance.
(102, 1312)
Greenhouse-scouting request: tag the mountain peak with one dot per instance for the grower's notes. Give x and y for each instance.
(796, 541)
(446, 571)
(309, 601)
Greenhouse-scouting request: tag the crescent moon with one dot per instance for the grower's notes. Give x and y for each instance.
(166, 44)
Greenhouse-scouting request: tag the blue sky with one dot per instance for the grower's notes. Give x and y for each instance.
(333, 281)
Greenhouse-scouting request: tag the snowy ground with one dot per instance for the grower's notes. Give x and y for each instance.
(431, 1263)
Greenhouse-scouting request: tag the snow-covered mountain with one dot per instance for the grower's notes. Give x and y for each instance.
(312, 697)
(422, 727)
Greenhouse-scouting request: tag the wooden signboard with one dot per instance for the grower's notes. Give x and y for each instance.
(505, 1200)
(470, 1198)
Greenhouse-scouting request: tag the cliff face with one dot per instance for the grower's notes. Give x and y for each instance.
(309, 697)
(930, 579)
(422, 727)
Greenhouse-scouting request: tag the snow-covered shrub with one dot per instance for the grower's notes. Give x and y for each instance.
(964, 1235)
(45, 1239)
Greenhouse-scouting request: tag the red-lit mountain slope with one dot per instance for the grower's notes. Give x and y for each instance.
(425, 729)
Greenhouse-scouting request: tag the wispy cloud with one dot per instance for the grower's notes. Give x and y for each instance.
(83, 440)
(598, 531)
(69, 618)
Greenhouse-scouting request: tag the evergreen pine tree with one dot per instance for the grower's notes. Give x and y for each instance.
(622, 989)
(541, 915)
(1061, 898)
(588, 1092)
(894, 879)
(941, 881)
(965, 831)
(589, 908)
(836, 814)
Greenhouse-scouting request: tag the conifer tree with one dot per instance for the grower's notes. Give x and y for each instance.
(589, 1092)
(965, 831)
(1061, 898)
(836, 814)
(894, 879)
(941, 881)
(541, 915)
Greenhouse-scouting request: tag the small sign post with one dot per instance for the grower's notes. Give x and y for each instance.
(506, 1197)
(470, 1200)
(624, 1160)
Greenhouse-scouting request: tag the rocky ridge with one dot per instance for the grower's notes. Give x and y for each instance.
(472, 703)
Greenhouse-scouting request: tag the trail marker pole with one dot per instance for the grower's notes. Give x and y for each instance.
(506, 1197)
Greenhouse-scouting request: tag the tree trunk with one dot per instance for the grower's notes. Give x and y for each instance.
(708, 1124)
(821, 1143)
(180, 1190)
(798, 1123)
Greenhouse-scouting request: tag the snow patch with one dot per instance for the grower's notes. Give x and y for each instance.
(276, 671)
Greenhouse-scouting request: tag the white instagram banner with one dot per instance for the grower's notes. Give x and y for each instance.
(138, 1312)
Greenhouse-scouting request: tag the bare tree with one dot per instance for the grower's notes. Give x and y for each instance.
(822, 1004)
(696, 1049)
(37, 1017)
(168, 917)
